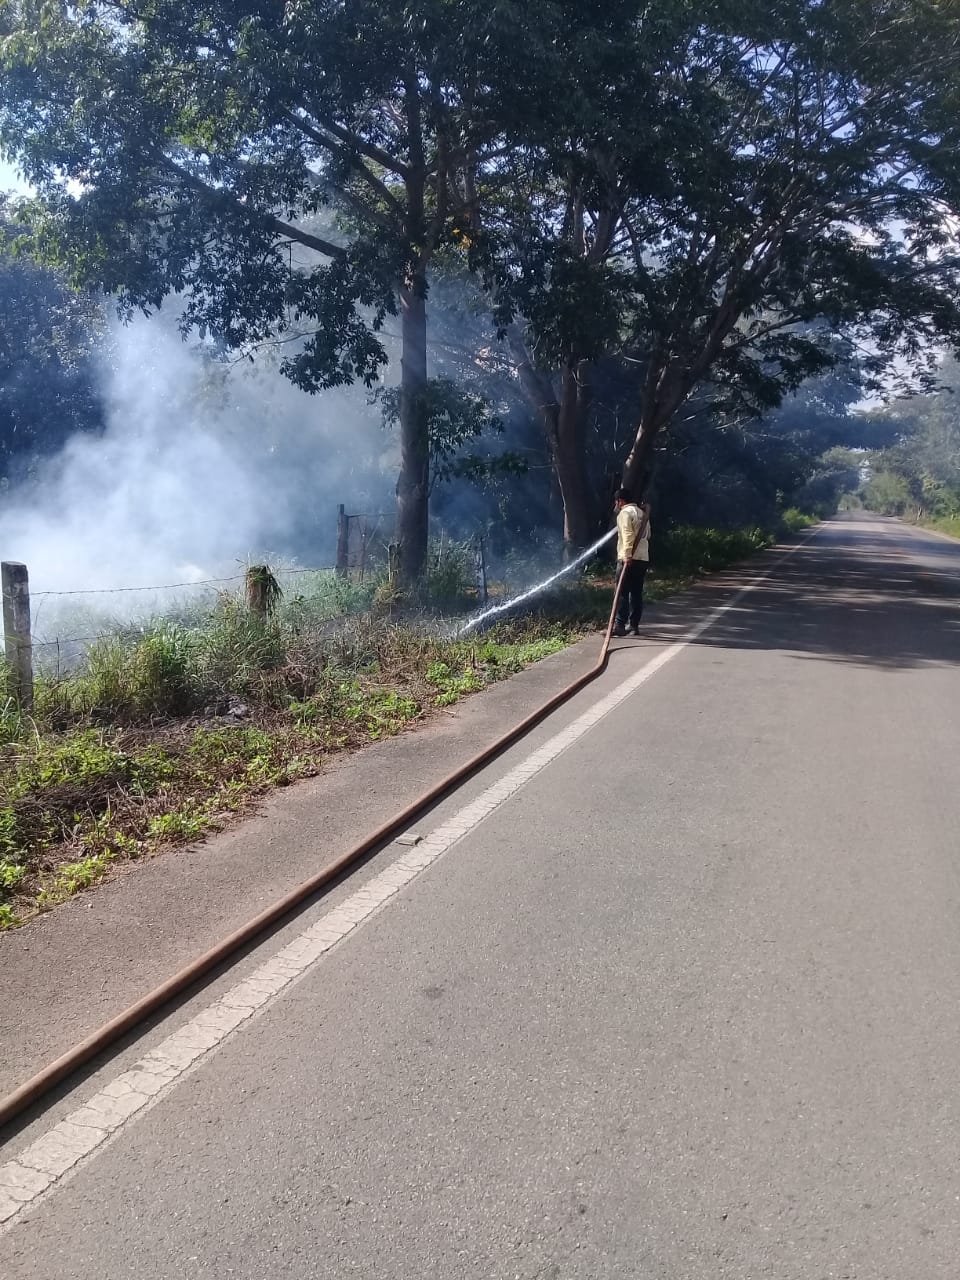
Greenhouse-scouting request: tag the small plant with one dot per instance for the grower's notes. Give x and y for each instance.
(11, 876)
(185, 823)
(72, 877)
(451, 686)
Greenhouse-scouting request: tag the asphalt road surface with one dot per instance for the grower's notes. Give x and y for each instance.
(684, 1004)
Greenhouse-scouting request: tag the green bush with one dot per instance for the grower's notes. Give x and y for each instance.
(887, 493)
(105, 687)
(449, 577)
(236, 649)
(793, 520)
(689, 551)
(164, 676)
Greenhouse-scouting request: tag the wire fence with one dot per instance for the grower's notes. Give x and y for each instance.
(364, 553)
(173, 586)
(58, 652)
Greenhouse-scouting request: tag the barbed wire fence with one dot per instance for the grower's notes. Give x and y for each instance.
(364, 550)
(24, 647)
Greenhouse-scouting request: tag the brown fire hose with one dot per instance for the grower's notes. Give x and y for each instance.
(54, 1073)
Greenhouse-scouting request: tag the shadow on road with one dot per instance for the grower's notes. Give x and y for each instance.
(865, 590)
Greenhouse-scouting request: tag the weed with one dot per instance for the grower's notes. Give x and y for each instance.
(163, 672)
(72, 877)
(105, 686)
(11, 720)
(452, 685)
(689, 552)
(11, 876)
(945, 524)
(185, 823)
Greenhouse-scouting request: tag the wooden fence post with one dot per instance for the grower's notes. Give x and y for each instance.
(17, 637)
(263, 591)
(481, 573)
(393, 563)
(363, 546)
(343, 541)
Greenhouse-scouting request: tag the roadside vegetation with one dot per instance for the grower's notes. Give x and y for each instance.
(163, 733)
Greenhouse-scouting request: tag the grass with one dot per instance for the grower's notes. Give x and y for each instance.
(77, 799)
(944, 524)
(166, 732)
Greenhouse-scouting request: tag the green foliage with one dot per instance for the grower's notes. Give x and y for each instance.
(724, 131)
(921, 467)
(795, 521)
(11, 876)
(48, 358)
(81, 798)
(237, 650)
(449, 577)
(184, 823)
(72, 877)
(451, 684)
(947, 524)
(456, 416)
(887, 493)
(689, 552)
(11, 721)
(163, 672)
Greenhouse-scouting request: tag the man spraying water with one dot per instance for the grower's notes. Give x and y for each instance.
(633, 558)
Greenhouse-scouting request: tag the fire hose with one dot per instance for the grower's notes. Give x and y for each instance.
(39, 1085)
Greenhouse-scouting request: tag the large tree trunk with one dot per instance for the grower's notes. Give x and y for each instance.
(569, 460)
(413, 483)
(563, 421)
(636, 469)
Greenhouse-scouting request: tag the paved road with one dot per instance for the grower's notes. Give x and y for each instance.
(686, 1005)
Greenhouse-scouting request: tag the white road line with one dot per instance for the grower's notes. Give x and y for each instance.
(47, 1160)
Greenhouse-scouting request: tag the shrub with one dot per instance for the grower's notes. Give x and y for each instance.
(793, 520)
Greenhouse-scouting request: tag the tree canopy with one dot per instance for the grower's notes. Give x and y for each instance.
(708, 194)
(49, 377)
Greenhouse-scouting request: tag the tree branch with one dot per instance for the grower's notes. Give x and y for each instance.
(347, 153)
(221, 198)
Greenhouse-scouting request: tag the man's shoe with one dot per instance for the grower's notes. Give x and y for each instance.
(636, 629)
(619, 632)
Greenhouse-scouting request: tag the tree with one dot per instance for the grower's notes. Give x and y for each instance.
(555, 230)
(887, 493)
(821, 194)
(287, 172)
(49, 383)
(797, 177)
(922, 447)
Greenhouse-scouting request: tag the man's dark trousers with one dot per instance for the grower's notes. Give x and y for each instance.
(631, 595)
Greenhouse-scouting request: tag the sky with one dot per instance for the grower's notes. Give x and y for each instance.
(9, 181)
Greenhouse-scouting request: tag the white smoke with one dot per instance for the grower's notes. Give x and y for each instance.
(201, 467)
